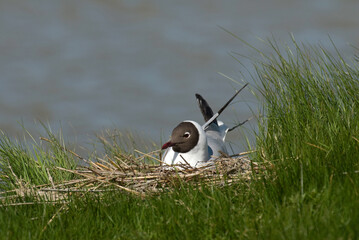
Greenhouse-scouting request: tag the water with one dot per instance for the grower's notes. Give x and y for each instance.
(92, 65)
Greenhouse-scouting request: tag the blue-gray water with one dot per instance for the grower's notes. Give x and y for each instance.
(97, 64)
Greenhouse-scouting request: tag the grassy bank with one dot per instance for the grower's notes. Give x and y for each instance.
(308, 139)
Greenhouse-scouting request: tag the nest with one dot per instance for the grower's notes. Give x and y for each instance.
(140, 176)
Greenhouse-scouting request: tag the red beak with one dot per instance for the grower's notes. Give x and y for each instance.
(167, 145)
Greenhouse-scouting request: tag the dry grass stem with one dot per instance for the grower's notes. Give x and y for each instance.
(140, 176)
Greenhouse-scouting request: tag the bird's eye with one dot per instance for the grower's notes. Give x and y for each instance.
(186, 135)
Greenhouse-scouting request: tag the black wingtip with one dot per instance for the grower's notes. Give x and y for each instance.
(215, 116)
(206, 110)
(199, 98)
(230, 100)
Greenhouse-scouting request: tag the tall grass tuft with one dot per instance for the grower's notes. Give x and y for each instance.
(24, 165)
(310, 129)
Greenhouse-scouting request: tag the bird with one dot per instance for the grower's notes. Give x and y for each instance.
(194, 145)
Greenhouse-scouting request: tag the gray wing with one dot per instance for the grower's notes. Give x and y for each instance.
(215, 143)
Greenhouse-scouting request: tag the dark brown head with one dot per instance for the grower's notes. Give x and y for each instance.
(184, 138)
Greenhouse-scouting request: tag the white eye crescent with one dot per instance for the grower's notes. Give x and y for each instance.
(186, 135)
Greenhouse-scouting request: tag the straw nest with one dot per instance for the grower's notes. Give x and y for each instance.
(142, 176)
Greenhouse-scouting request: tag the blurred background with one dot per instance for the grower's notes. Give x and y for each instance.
(89, 65)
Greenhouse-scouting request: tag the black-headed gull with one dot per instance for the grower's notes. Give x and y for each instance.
(194, 144)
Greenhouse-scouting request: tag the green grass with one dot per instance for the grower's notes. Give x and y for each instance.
(213, 213)
(309, 135)
(310, 130)
(33, 164)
